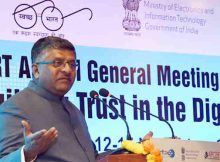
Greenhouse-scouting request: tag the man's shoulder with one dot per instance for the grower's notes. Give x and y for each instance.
(22, 96)
(25, 93)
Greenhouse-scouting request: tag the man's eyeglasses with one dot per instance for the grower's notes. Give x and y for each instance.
(61, 63)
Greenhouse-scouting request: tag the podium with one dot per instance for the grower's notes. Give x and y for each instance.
(175, 150)
(124, 158)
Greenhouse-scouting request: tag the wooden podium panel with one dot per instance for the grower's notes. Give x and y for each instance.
(174, 150)
(124, 158)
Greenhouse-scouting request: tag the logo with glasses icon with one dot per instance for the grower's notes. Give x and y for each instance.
(51, 17)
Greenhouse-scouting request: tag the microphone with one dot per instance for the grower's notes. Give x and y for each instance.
(105, 93)
(95, 95)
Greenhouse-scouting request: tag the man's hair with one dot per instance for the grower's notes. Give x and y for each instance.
(47, 43)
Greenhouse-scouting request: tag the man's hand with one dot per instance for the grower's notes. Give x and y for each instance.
(148, 136)
(38, 142)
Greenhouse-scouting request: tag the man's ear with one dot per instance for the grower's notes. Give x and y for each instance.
(35, 71)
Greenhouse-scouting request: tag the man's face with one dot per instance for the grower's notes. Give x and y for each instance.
(57, 80)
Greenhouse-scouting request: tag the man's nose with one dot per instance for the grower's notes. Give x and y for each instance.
(66, 68)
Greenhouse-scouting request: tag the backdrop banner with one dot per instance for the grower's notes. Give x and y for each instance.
(160, 56)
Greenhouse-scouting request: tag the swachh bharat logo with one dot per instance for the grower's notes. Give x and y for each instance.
(52, 18)
(131, 21)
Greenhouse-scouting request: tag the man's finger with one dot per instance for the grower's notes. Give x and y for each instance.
(51, 133)
(148, 135)
(26, 128)
(37, 134)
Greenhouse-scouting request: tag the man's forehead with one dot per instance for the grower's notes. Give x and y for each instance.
(59, 53)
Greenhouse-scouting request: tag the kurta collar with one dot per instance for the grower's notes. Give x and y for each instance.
(33, 84)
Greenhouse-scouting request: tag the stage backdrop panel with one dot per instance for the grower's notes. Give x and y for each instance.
(162, 57)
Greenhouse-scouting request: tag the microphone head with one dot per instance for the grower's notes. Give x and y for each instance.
(94, 94)
(104, 92)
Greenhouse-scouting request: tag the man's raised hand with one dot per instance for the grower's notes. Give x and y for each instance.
(38, 142)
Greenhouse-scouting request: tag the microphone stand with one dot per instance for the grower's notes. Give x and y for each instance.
(120, 116)
(173, 136)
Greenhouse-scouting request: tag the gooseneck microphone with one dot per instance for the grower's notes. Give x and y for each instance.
(95, 95)
(105, 93)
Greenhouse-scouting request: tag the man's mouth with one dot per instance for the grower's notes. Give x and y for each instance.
(65, 79)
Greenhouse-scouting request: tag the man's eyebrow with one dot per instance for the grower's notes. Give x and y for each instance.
(63, 59)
